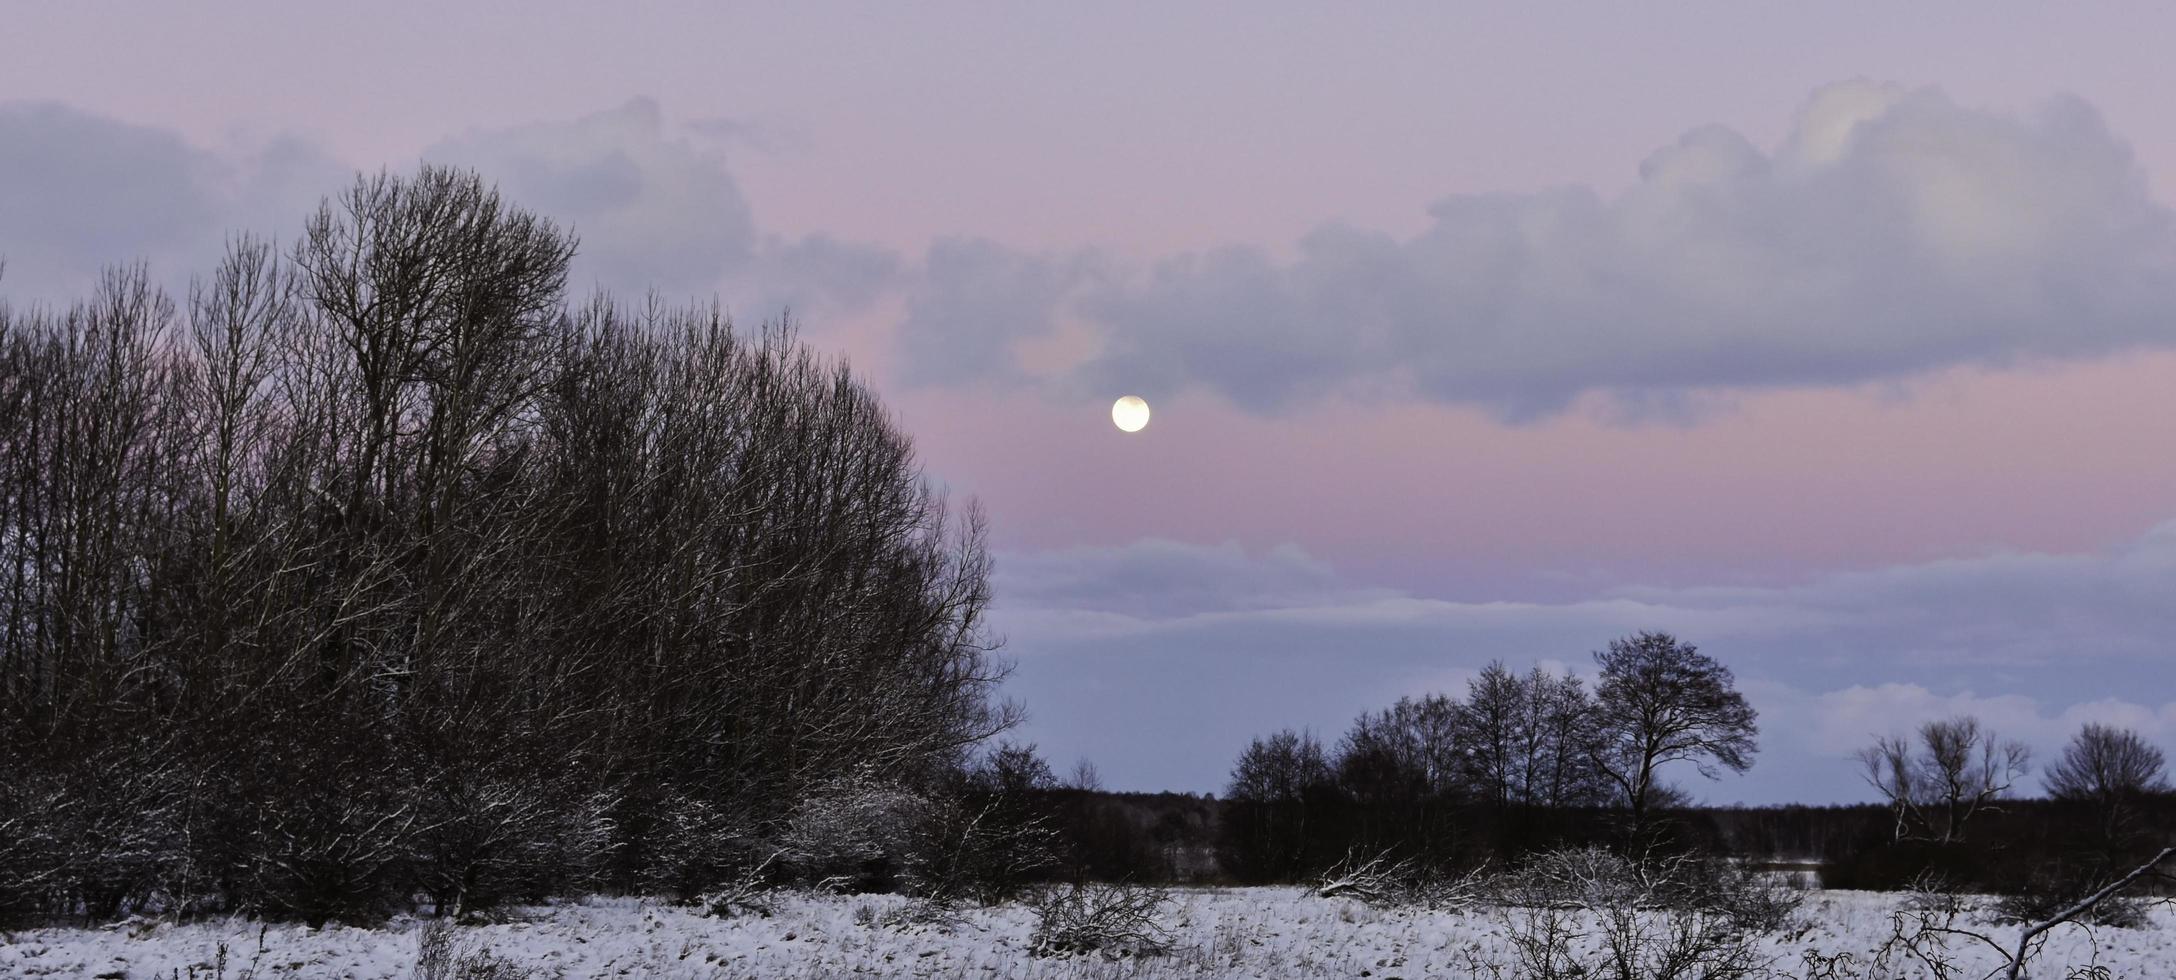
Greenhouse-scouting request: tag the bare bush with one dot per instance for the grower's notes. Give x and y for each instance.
(1109, 920)
(857, 830)
(751, 892)
(1622, 943)
(980, 848)
(2049, 890)
(1924, 939)
(1590, 912)
(691, 846)
(1384, 881)
(1752, 900)
(921, 912)
(1593, 877)
(440, 956)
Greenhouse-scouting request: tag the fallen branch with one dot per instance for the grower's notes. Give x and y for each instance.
(2083, 905)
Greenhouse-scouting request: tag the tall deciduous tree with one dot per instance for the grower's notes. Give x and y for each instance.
(1661, 701)
(2104, 763)
(1958, 768)
(2109, 769)
(1524, 739)
(380, 568)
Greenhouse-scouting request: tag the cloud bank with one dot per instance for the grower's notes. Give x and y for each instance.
(80, 192)
(1892, 232)
(654, 210)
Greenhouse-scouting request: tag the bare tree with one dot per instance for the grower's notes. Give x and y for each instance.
(2108, 770)
(1085, 776)
(383, 570)
(1957, 769)
(1288, 765)
(1661, 701)
(1276, 786)
(1492, 728)
(1405, 753)
(2104, 764)
(1524, 739)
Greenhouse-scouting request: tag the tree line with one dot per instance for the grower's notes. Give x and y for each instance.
(1519, 760)
(378, 568)
(1525, 764)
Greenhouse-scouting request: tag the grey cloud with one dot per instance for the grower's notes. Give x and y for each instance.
(80, 192)
(817, 269)
(761, 136)
(1143, 659)
(1892, 233)
(972, 300)
(651, 209)
(657, 210)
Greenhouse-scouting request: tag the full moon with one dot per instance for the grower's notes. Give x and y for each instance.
(1130, 413)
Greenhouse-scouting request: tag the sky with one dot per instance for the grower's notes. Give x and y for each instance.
(1837, 339)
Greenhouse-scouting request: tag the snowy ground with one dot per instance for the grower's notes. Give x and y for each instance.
(1270, 933)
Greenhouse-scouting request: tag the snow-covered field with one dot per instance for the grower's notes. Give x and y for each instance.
(1260, 932)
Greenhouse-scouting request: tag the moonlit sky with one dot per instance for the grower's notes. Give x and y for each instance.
(1839, 339)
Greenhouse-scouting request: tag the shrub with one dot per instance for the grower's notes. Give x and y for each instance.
(691, 846)
(857, 832)
(2051, 890)
(1590, 913)
(981, 849)
(1386, 882)
(1111, 920)
(439, 957)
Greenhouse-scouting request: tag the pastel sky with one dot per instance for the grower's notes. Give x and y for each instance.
(1839, 339)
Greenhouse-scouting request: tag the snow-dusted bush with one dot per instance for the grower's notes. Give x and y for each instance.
(857, 832)
(487, 839)
(387, 562)
(2049, 890)
(689, 847)
(1385, 881)
(1593, 878)
(1110, 920)
(100, 839)
(339, 841)
(978, 848)
(439, 956)
(1594, 913)
(751, 892)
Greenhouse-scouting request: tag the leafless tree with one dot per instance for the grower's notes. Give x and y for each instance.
(1409, 751)
(1660, 701)
(1085, 777)
(1285, 766)
(1276, 788)
(380, 568)
(1957, 769)
(2106, 765)
(1525, 739)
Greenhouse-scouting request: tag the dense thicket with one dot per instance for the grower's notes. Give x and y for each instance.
(376, 570)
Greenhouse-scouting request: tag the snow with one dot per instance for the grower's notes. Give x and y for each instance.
(1223, 933)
